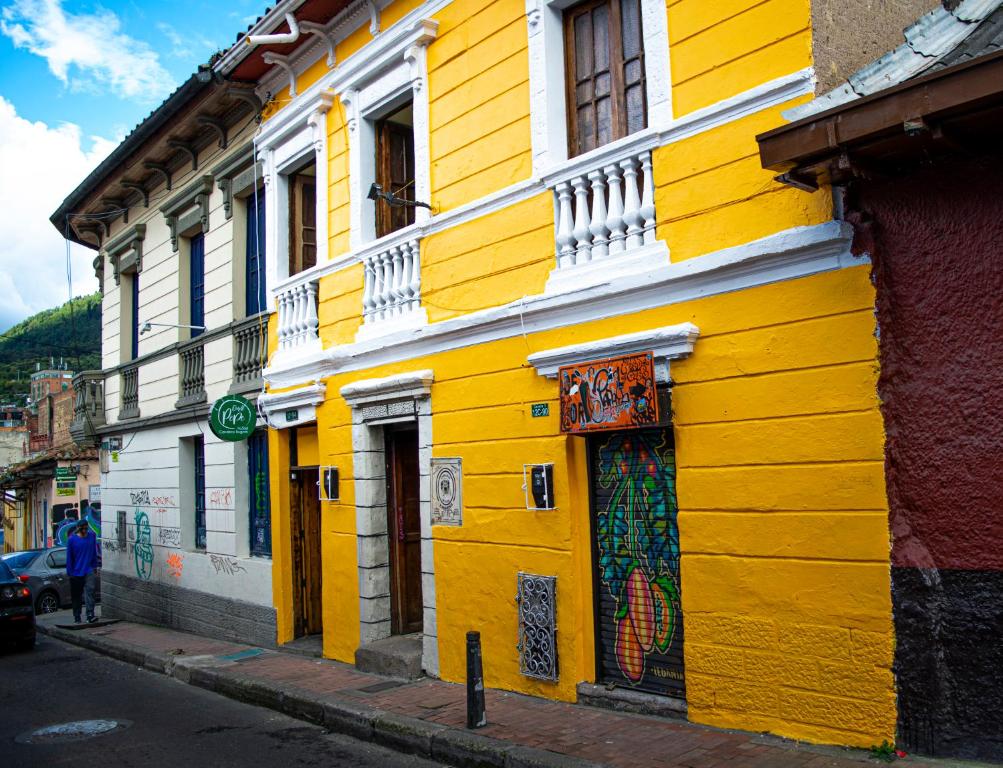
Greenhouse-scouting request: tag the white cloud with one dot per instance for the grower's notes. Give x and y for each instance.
(187, 46)
(41, 165)
(86, 51)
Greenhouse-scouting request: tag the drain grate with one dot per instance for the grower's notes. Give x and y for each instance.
(378, 687)
(74, 731)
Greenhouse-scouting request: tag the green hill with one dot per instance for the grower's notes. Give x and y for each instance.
(71, 332)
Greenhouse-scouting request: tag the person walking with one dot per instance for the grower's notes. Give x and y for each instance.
(81, 567)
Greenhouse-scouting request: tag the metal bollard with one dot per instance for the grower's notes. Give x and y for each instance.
(476, 717)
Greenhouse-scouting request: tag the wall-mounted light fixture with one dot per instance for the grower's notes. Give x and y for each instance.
(376, 193)
(148, 326)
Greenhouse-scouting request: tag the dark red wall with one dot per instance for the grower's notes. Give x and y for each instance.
(936, 242)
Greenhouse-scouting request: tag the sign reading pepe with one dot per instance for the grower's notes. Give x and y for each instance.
(232, 418)
(615, 393)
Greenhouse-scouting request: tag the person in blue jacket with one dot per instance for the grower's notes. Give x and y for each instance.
(81, 567)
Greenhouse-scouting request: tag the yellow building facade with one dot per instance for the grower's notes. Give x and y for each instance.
(746, 580)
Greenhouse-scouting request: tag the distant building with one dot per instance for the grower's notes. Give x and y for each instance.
(49, 482)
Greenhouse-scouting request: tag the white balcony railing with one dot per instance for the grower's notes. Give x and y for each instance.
(392, 285)
(297, 310)
(605, 212)
(391, 293)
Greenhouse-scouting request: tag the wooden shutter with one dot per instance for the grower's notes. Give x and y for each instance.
(302, 223)
(255, 254)
(196, 284)
(604, 69)
(394, 173)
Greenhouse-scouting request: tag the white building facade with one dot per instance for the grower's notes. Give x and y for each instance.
(177, 215)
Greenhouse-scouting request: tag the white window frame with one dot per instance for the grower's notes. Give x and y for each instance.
(293, 138)
(371, 79)
(547, 100)
(400, 70)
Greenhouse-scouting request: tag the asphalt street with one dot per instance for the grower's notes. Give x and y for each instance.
(162, 722)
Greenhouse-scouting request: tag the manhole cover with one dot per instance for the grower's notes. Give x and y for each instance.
(75, 731)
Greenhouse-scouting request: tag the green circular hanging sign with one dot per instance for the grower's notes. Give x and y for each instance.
(232, 418)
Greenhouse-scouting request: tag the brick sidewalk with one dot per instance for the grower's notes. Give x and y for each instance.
(596, 735)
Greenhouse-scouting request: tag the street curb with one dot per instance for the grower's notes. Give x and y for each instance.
(410, 735)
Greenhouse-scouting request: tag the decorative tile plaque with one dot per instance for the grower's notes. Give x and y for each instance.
(447, 491)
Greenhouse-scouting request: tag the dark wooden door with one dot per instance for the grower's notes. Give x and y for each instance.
(394, 173)
(404, 530)
(305, 529)
(639, 622)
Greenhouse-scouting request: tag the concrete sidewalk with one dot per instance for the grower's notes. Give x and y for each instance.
(427, 717)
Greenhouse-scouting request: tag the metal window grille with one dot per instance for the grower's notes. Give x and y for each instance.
(198, 444)
(537, 598)
(120, 529)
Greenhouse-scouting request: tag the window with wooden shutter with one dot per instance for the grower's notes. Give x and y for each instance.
(395, 170)
(302, 220)
(604, 56)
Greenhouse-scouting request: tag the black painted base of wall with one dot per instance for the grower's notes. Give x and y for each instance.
(949, 661)
(147, 602)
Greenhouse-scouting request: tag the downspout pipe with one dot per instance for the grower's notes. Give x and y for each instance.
(283, 37)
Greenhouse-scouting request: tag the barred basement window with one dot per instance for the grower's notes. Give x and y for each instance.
(537, 598)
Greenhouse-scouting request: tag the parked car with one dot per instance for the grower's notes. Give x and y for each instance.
(44, 571)
(17, 616)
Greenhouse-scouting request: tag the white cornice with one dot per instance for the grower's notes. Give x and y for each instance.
(787, 255)
(670, 342)
(399, 387)
(761, 97)
(309, 395)
(415, 28)
(298, 406)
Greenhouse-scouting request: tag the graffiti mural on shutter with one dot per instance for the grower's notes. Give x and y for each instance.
(639, 625)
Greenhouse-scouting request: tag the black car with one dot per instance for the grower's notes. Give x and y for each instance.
(17, 612)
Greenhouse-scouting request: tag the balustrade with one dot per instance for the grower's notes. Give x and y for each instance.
(249, 352)
(297, 309)
(392, 286)
(191, 374)
(88, 407)
(605, 212)
(129, 407)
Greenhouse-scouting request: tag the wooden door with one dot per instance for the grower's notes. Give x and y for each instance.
(639, 622)
(394, 173)
(404, 531)
(305, 528)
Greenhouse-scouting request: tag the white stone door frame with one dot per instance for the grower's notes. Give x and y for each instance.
(401, 399)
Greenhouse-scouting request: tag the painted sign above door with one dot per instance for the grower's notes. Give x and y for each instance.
(615, 393)
(232, 418)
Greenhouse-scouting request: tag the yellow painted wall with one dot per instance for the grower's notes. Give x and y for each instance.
(478, 72)
(721, 48)
(782, 513)
(783, 519)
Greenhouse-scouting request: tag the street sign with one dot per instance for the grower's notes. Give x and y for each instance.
(232, 418)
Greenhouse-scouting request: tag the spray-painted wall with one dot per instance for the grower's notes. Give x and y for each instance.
(934, 238)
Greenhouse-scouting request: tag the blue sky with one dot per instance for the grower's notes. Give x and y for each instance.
(75, 77)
